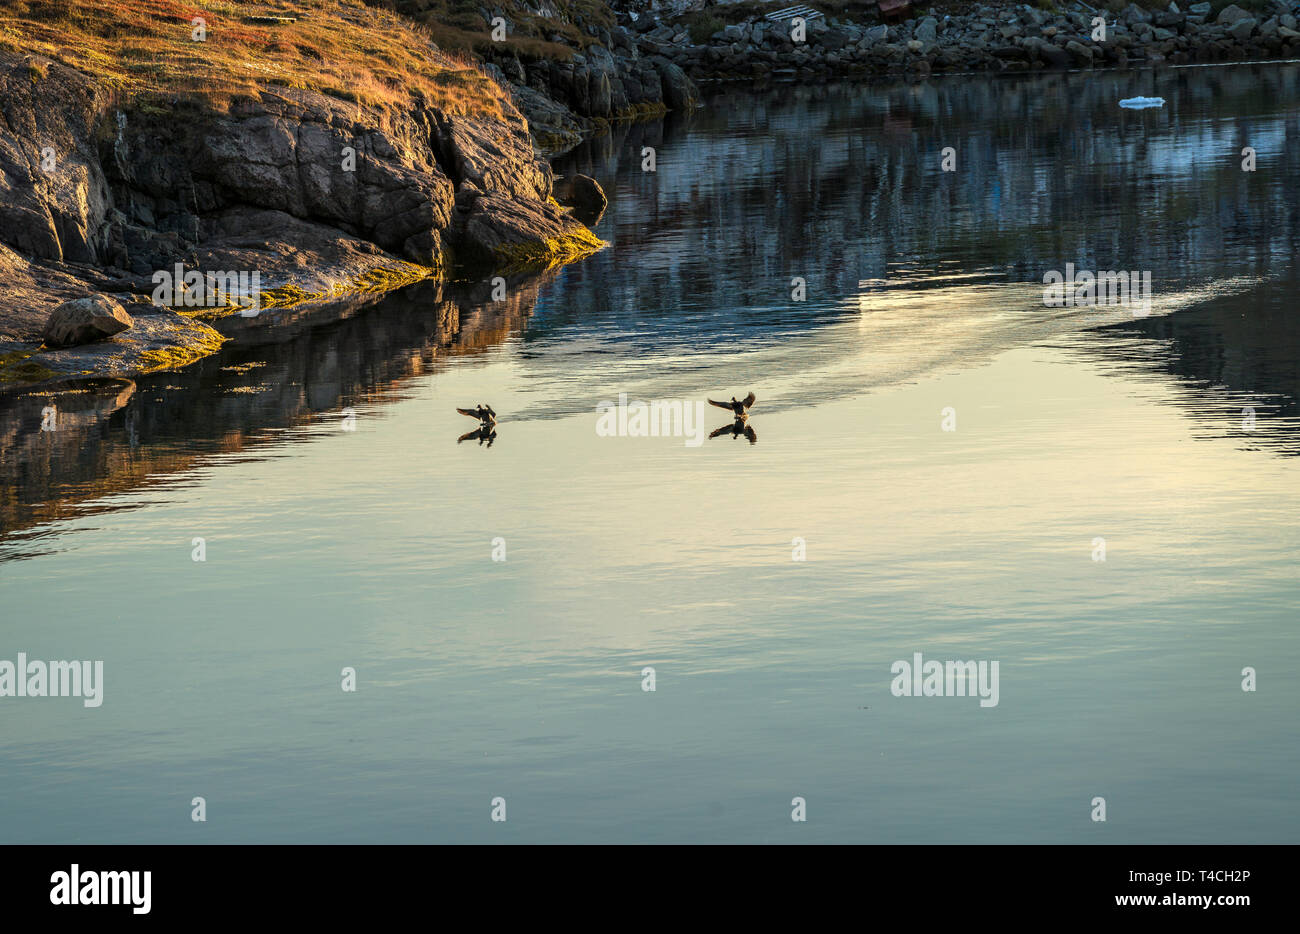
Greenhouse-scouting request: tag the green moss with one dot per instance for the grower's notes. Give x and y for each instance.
(15, 367)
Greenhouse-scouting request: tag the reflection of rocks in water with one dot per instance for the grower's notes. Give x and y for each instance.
(1236, 356)
(839, 183)
(114, 435)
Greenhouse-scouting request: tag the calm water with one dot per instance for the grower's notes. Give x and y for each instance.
(372, 548)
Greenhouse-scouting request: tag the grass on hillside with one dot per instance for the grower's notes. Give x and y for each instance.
(459, 25)
(344, 48)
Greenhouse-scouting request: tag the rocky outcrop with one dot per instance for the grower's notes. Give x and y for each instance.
(500, 232)
(85, 320)
(619, 75)
(306, 195)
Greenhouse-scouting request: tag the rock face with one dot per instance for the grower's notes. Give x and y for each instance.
(135, 191)
(623, 71)
(53, 195)
(310, 193)
(85, 320)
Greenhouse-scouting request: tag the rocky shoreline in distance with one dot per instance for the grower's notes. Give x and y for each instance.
(986, 38)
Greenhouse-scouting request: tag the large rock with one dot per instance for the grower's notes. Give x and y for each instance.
(584, 194)
(1241, 29)
(84, 321)
(1231, 14)
(679, 91)
(927, 30)
(1053, 55)
(501, 232)
(1079, 52)
(1136, 14)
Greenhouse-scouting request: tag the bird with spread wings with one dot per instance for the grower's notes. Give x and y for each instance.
(737, 407)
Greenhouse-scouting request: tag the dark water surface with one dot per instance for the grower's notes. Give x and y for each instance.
(1173, 436)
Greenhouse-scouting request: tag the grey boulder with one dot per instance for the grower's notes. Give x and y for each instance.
(84, 321)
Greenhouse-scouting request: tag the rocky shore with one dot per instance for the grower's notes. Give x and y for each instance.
(325, 194)
(287, 195)
(641, 57)
(986, 37)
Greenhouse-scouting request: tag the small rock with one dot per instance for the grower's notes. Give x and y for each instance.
(85, 320)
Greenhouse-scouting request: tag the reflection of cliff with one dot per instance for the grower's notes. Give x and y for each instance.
(113, 436)
(1227, 360)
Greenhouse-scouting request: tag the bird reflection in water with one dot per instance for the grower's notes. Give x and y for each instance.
(488, 434)
(737, 428)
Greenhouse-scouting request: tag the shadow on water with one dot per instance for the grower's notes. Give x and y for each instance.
(838, 188)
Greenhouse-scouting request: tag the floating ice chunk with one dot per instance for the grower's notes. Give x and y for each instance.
(1137, 103)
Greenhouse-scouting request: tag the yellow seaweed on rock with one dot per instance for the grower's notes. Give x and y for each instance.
(553, 251)
(378, 280)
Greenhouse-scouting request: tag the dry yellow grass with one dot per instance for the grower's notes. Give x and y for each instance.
(146, 48)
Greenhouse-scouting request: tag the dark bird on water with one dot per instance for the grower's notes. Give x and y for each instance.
(483, 413)
(738, 407)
